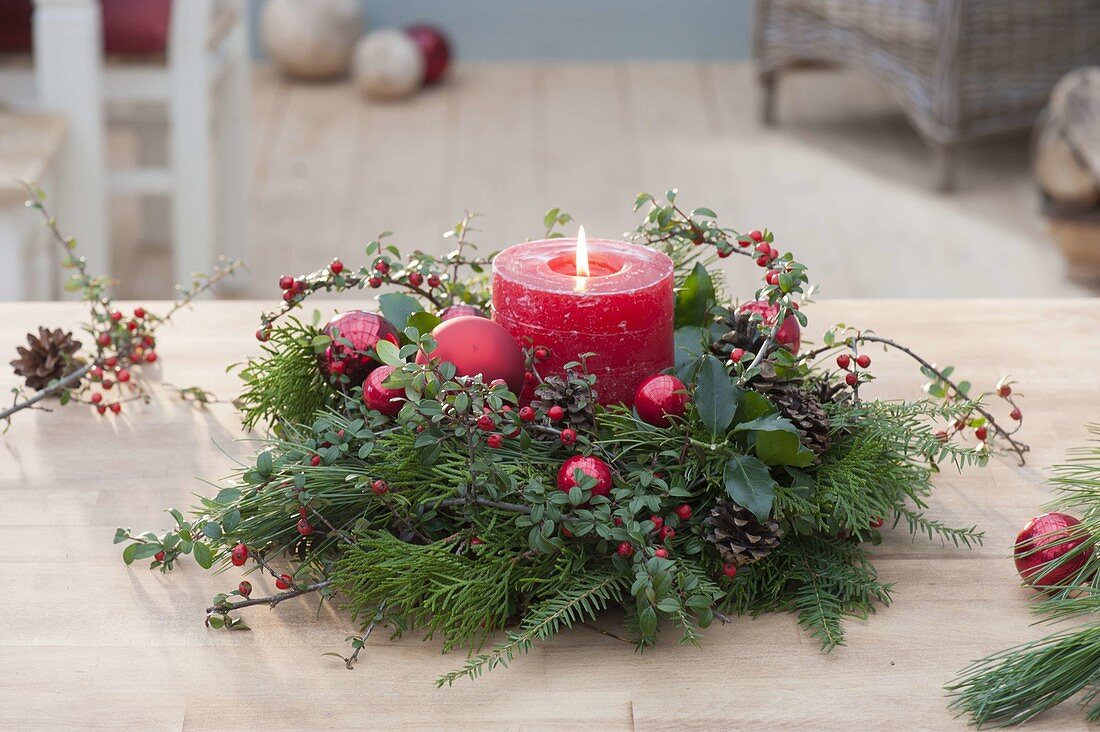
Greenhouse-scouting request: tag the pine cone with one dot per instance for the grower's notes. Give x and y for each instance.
(740, 537)
(574, 395)
(800, 403)
(742, 334)
(48, 357)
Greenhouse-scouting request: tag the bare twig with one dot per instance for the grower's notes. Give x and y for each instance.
(270, 600)
(49, 391)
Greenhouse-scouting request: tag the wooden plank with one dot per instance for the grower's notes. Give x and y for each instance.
(28, 144)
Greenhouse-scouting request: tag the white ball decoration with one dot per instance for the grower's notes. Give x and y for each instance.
(388, 64)
(311, 39)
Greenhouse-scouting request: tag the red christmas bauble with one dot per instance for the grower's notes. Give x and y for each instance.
(790, 332)
(381, 398)
(436, 49)
(1044, 539)
(660, 397)
(591, 466)
(362, 330)
(477, 345)
(460, 311)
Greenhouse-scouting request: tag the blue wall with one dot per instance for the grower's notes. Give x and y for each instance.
(577, 29)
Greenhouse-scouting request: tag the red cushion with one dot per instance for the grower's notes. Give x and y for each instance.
(130, 27)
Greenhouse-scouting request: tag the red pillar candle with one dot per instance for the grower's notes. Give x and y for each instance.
(622, 312)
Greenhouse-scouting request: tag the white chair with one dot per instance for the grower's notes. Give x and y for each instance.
(202, 87)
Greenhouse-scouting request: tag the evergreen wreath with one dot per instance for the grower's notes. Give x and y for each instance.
(761, 494)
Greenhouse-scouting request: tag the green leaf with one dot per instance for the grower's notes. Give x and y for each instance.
(694, 298)
(264, 464)
(777, 441)
(226, 495)
(397, 307)
(212, 530)
(750, 484)
(716, 396)
(388, 353)
(689, 344)
(203, 556)
(753, 406)
(424, 322)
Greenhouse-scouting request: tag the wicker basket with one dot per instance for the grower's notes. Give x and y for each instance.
(1077, 233)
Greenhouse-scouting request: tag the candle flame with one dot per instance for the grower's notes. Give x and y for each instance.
(582, 254)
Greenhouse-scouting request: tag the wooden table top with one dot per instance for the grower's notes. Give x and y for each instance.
(87, 642)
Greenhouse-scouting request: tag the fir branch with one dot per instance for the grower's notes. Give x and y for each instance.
(932, 528)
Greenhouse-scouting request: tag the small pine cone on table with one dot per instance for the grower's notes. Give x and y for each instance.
(47, 356)
(740, 537)
(574, 395)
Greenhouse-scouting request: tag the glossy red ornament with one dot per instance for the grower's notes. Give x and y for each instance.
(436, 49)
(660, 397)
(477, 345)
(790, 333)
(1044, 539)
(589, 465)
(362, 330)
(381, 398)
(460, 311)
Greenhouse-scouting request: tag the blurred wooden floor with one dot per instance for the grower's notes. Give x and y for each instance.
(843, 180)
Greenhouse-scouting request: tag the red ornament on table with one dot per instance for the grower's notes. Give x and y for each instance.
(478, 346)
(362, 330)
(790, 332)
(1044, 539)
(435, 48)
(589, 465)
(660, 397)
(381, 398)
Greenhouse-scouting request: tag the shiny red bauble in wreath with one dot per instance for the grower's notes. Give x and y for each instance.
(477, 345)
(589, 465)
(460, 311)
(790, 332)
(382, 398)
(660, 397)
(1045, 539)
(435, 49)
(362, 330)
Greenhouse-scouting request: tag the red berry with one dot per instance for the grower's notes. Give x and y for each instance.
(379, 487)
(285, 283)
(555, 413)
(97, 398)
(527, 414)
(763, 248)
(683, 511)
(284, 581)
(542, 353)
(772, 277)
(375, 282)
(139, 312)
(756, 235)
(315, 460)
(416, 279)
(97, 373)
(844, 361)
(724, 252)
(762, 260)
(159, 556)
(625, 549)
(730, 569)
(1016, 414)
(262, 335)
(123, 375)
(529, 378)
(107, 383)
(151, 357)
(981, 433)
(485, 422)
(864, 360)
(245, 588)
(336, 266)
(941, 436)
(116, 408)
(381, 266)
(305, 528)
(568, 436)
(112, 361)
(662, 553)
(666, 533)
(495, 441)
(658, 522)
(116, 315)
(434, 281)
(851, 379)
(103, 339)
(876, 523)
(102, 409)
(288, 295)
(737, 354)
(617, 521)
(1004, 390)
(337, 367)
(239, 555)
(302, 511)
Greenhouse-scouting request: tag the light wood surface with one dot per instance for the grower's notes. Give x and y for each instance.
(88, 643)
(843, 180)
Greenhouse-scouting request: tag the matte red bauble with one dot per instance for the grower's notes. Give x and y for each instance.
(790, 333)
(591, 466)
(460, 311)
(660, 397)
(381, 398)
(1044, 539)
(362, 330)
(477, 345)
(437, 51)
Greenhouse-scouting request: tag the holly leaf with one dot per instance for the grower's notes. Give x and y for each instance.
(777, 441)
(716, 396)
(397, 307)
(424, 322)
(694, 298)
(749, 483)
